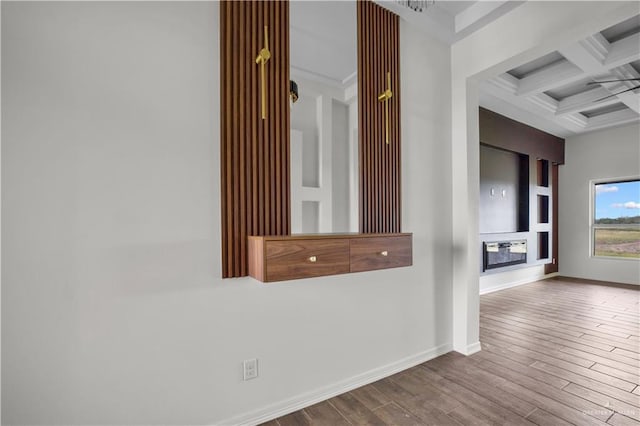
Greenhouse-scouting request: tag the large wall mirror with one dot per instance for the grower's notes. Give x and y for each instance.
(324, 118)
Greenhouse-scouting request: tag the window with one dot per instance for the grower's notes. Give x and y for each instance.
(616, 219)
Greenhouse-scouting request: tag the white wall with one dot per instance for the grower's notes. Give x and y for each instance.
(607, 154)
(527, 32)
(113, 310)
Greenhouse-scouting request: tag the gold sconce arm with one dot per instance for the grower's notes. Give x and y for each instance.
(386, 97)
(262, 59)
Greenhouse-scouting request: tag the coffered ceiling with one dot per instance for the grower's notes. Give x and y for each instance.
(557, 93)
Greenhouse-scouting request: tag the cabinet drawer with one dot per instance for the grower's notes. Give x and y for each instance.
(288, 260)
(367, 254)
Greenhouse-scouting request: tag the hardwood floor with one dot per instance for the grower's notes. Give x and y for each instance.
(554, 352)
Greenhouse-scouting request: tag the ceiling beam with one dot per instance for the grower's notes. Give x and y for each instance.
(630, 99)
(544, 101)
(594, 57)
(474, 13)
(623, 51)
(558, 74)
(614, 118)
(584, 100)
(505, 87)
(589, 54)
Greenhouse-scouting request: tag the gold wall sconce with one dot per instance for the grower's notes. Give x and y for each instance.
(262, 59)
(386, 97)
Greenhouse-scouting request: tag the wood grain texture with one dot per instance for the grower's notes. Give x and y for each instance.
(378, 53)
(366, 254)
(254, 153)
(256, 258)
(288, 260)
(280, 258)
(537, 366)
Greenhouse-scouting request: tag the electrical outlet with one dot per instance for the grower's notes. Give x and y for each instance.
(250, 369)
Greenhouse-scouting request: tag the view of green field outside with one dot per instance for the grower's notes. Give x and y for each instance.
(617, 242)
(617, 219)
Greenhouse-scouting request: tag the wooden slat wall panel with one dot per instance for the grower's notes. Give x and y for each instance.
(254, 153)
(378, 53)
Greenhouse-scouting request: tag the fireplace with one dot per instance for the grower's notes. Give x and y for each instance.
(498, 254)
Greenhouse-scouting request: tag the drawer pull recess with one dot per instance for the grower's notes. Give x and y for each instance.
(385, 253)
(313, 259)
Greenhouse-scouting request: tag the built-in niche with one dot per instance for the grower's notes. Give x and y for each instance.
(521, 161)
(543, 245)
(543, 208)
(504, 191)
(542, 172)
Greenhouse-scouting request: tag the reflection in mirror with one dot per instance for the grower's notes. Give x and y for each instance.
(324, 119)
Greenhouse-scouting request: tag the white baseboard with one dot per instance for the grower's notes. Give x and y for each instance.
(296, 403)
(516, 283)
(473, 348)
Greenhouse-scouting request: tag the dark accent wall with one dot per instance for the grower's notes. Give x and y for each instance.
(502, 132)
(544, 153)
(506, 174)
(378, 52)
(254, 153)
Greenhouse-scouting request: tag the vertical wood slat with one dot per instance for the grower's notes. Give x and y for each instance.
(378, 53)
(254, 153)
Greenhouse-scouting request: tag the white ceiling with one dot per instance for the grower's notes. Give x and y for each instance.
(550, 92)
(454, 7)
(323, 33)
(556, 92)
(452, 20)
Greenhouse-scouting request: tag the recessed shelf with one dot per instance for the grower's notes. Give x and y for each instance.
(542, 172)
(543, 245)
(543, 209)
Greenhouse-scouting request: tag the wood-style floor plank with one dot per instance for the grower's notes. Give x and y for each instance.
(542, 376)
(371, 397)
(541, 417)
(354, 410)
(604, 400)
(554, 352)
(324, 413)
(393, 414)
(589, 383)
(621, 420)
(294, 419)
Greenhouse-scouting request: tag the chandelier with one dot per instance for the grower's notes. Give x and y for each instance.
(416, 5)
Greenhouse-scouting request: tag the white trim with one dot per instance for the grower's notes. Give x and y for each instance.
(516, 283)
(592, 214)
(298, 402)
(473, 348)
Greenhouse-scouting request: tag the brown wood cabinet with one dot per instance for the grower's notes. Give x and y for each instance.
(279, 258)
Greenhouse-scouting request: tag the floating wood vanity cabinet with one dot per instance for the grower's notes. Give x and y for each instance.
(279, 258)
